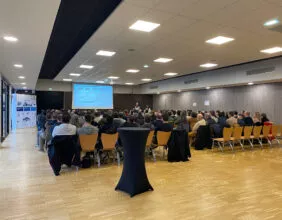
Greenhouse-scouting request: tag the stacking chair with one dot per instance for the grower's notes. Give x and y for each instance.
(265, 133)
(149, 143)
(236, 137)
(256, 135)
(109, 145)
(88, 142)
(274, 133)
(226, 139)
(163, 138)
(247, 135)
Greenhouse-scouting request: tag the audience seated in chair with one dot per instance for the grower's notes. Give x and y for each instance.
(248, 120)
(231, 121)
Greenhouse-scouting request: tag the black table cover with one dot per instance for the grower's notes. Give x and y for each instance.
(178, 146)
(134, 178)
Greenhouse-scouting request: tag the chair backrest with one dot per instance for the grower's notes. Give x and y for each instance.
(248, 131)
(88, 142)
(274, 130)
(266, 130)
(237, 133)
(257, 131)
(150, 138)
(163, 137)
(227, 132)
(109, 141)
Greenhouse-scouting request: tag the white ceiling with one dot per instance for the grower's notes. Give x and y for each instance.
(185, 26)
(31, 21)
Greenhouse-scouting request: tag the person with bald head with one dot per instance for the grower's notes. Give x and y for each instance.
(201, 121)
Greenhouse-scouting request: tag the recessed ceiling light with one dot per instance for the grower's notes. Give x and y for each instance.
(75, 74)
(113, 77)
(100, 81)
(208, 87)
(18, 65)
(170, 74)
(132, 71)
(146, 66)
(24, 87)
(89, 67)
(21, 77)
(219, 40)
(179, 90)
(105, 53)
(144, 26)
(146, 80)
(23, 83)
(10, 38)
(208, 65)
(129, 83)
(67, 80)
(272, 50)
(163, 60)
(250, 83)
(50, 89)
(271, 22)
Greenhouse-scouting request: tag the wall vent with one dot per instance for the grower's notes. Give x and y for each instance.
(260, 71)
(154, 87)
(191, 81)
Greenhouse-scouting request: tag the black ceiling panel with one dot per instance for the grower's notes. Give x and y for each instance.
(75, 23)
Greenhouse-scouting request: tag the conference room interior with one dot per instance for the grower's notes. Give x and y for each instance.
(179, 60)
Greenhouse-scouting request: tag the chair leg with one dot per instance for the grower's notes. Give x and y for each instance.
(221, 148)
(154, 155)
(260, 142)
(252, 145)
(231, 146)
(212, 145)
(269, 141)
(118, 158)
(242, 145)
(98, 159)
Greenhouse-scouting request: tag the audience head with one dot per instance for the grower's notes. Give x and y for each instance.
(230, 114)
(48, 115)
(159, 116)
(115, 115)
(240, 116)
(200, 116)
(165, 117)
(212, 112)
(147, 118)
(178, 112)
(88, 118)
(264, 117)
(132, 119)
(247, 114)
(66, 118)
(54, 115)
(194, 115)
(208, 116)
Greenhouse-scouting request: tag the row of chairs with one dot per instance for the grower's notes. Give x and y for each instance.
(234, 135)
(109, 141)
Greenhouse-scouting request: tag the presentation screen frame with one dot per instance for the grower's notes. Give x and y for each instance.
(92, 84)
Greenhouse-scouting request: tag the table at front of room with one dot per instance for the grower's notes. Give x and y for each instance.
(134, 178)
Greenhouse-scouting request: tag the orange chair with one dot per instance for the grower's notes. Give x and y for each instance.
(163, 138)
(150, 142)
(226, 139)
(266, 133)
(109, 144)
(88, 142)
(256, 134)
(274, 133)
(247, 135)
(236, 136)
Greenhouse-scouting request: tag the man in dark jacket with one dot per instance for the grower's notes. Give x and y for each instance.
(248, 120)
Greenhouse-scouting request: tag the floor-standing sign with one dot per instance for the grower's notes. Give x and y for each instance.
(26, 111)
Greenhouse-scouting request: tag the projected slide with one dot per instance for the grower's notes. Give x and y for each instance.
(90, 96)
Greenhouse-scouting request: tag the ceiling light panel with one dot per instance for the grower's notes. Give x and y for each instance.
(271, 22)
(89, 67)
(163, 60)
(100, 81)
(272, 50)
(208, 65)
(132, 71)
(220, 40)
(171, 74)
(21, 77)
(75, 74)
(18, 65)
(105, 53)
(10, 38)
(113, 77)
(67, 80)
(146, 80)
(145, 26)
(129, 83)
